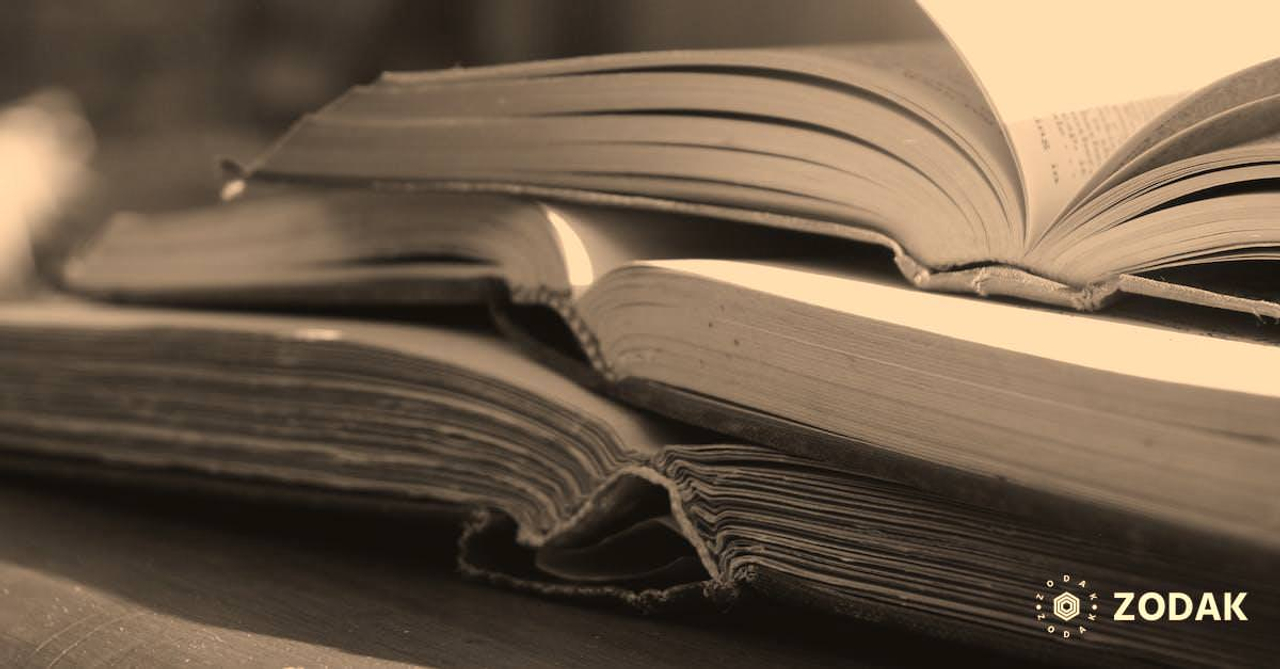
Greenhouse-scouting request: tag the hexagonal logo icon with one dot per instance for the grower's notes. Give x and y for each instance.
(1066, 606)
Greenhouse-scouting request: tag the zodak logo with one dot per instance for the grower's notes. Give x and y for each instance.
(1067, 607)
(1179, 606)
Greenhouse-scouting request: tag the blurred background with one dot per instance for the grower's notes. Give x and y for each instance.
(148, 95)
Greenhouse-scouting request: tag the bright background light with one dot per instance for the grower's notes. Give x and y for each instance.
(45, 145)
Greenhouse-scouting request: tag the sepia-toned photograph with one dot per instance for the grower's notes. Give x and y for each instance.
(639, 333)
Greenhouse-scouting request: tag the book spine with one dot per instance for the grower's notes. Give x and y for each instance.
(1008, 281)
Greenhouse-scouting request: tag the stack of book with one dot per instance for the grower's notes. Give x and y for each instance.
(681, 326)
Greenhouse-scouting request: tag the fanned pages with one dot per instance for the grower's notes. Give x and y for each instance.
(788, 330)
(630, 258)
(1066, 199)
(576, 496)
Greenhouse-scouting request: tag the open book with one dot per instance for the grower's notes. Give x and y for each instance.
(1066, 197)
(765, 336)
(577, 495)
(699, 233)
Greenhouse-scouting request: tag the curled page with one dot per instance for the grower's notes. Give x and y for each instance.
(1073, 82)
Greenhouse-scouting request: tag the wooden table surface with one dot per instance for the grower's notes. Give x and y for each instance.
(94, 575)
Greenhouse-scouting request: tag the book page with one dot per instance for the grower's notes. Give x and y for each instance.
(1096, 342)
(1058, 153)
(1239, 108)
(477, 354)
(1074, 81)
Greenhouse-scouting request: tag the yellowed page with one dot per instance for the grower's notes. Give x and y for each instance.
(1058, 153)
(1132, 349)
(1071, 82)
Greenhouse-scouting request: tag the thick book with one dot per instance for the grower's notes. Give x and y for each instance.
(924, 147)
(697, 221)
(575, 495)
(705, 235)
(1164, 423)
